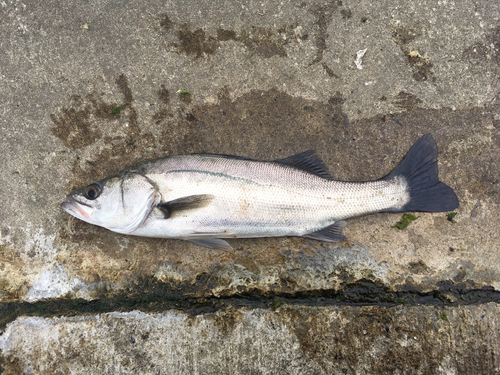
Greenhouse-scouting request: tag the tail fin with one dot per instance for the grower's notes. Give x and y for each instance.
(419, 168)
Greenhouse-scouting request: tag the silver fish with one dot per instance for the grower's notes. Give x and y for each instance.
(203, 198)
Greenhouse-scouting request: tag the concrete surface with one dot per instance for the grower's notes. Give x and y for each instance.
(267, 80)
(290, 340)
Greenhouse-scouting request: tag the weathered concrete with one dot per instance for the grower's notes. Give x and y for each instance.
(290, 340)
(268, 79)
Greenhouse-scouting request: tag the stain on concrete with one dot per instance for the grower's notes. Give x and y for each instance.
(13, 282)
(475, 212)
(123, 85)
(329, 70)
(403, 35)
(185, 98)
(460, 275)
(418, 267)
(477, 144)
(195, 42)
(418, 60)
(329, 342)
(227, 319)
(73, 125)
(422, 66)
(257, 113)
(323, 15)
(164, 100)
(264, 42)
(487, 50)
(10, 364)
(316, 338)
(406, 101)
(76, 125)
(346, 13)
(165, 23)
(261, 41)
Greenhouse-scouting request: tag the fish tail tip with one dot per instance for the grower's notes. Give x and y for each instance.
(420, 170)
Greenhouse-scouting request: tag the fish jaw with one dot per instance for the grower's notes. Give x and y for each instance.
(77, 209)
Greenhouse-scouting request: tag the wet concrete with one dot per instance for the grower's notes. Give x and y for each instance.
(90, 88)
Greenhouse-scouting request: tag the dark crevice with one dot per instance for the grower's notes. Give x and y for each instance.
(151, 295)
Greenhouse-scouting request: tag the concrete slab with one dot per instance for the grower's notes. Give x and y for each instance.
(289, 340)
(88, 88)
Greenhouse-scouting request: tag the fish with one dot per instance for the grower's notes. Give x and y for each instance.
(208, 198)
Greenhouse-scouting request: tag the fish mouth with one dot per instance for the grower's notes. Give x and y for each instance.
(76, 208)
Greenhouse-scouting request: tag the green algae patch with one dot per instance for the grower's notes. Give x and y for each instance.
(450, 216)
(276, 303)
(405, 221)
(117, 110)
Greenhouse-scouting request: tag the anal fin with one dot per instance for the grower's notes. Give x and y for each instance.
(331, 233)
(214, 243)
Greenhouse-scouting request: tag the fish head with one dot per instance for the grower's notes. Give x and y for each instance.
(120, 203)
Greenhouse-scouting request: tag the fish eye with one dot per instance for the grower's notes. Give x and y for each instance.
(93, 191)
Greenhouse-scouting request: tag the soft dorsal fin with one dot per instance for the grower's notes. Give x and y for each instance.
(307, 161)
(185, 203)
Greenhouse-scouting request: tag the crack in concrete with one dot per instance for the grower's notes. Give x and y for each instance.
(151, 296)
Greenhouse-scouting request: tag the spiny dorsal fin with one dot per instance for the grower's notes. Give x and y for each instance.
(307, 161)
(185, 203)
(331, 233)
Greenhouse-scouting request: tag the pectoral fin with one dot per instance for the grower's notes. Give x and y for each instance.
(215, 243)
(185, 203)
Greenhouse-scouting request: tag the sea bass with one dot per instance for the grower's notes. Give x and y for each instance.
(204, 198)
